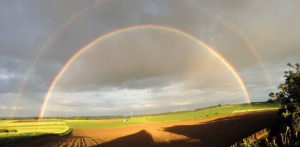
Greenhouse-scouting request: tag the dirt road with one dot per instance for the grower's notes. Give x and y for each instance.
(217, 131)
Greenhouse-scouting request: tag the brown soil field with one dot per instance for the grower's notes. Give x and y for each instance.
(217, 131)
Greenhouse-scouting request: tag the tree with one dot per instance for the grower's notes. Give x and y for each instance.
(287, 131)
(289, 96)
(289, 91)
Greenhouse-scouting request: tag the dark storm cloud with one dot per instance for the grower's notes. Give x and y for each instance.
(26, 26)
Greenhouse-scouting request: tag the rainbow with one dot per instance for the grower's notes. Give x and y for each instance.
(148, 26)
(243, 38)
(97, 3)
(44, 48)
(252, 49)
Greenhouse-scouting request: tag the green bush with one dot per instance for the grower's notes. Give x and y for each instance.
(7, 130)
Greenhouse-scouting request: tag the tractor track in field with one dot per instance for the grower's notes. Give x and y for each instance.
(221, 130)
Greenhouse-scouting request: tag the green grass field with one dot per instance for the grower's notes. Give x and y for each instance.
(171, 117)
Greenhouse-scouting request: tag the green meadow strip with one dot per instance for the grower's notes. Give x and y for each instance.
(174, 116)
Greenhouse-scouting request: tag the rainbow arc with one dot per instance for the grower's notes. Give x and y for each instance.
(131, 28)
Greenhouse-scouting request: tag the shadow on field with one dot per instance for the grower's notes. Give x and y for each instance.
(219, 132)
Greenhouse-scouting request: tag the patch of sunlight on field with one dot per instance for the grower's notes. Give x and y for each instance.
(249, 110)
(12, 128)
(98, 124)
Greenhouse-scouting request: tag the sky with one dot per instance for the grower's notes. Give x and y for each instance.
(145, 70)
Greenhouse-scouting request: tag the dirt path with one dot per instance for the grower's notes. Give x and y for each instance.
(217, 131)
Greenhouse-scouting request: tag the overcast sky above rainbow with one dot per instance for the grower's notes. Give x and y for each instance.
(114, 57)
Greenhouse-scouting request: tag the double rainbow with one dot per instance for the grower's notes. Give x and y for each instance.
(97, 3)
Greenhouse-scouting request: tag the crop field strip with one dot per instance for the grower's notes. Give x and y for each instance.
(23, 130)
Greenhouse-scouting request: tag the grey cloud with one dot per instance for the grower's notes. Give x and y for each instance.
(139, 58)
(151, 60)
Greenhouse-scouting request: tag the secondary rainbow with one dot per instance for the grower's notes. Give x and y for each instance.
(241, 35)
(148, 26)
(43, 50)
